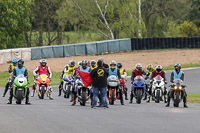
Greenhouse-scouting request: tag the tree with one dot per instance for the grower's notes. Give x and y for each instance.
(188, 29)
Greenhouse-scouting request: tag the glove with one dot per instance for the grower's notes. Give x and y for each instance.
(165, 82)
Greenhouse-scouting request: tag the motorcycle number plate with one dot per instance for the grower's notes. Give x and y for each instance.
(44, 77)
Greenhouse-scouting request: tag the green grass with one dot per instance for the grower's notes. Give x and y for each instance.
(193, 97)
(5, 75)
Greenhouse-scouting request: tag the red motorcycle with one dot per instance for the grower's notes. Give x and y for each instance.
(124, 88)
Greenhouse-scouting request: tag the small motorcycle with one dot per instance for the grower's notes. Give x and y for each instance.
(178, 91)
(123, 86)
(158, 89)
(42, 83)
(113, 83)
(83, 92)
(20, 88)
(138, 89)
(68, 84)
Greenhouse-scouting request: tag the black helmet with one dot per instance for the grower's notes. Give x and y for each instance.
(43, 62)
(177, 66)
(158, 68)
(84, 63)
(119, 65)
(71, 63)
(20, 63)
(93, 63)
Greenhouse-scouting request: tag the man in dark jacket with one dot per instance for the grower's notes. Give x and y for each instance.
(99, 83)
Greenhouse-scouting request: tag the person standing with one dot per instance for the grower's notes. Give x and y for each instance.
(99, 83)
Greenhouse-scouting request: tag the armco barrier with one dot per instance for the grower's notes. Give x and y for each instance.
(58, 51)
(102, 47)
(125, 44)
(69, 50)
(47, 52)
(80, 49)
(36, 53)
(113, 45)
(91, 48)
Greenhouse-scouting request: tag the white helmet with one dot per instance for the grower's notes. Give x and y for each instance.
(138, 67)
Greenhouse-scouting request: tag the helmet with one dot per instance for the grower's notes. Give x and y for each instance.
(43, 62)
(101, 59)
(158, 68)
(71, 63)
(113, 64)
(84, 63)
(149, 67)
(93, 63)
(14, 61)
(20, 63)
(119, 65)
(138, 67)
(79, 64)
(177, 66)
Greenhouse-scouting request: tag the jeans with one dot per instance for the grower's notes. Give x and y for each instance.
(103, 92)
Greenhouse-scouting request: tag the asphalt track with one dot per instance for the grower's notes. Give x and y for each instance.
(58, 116)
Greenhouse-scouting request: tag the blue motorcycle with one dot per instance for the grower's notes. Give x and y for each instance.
(138, 89)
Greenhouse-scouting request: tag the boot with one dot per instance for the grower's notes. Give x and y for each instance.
(184, 102)
(145, 97)
(168, 101)
(74, 103)
(50, 95)
(148, 99)
(131, 99)
(72, 98)
(184, 105)
(9, 100)
(6, 89)
(91, 101)
(27, 97)
(122, 101)
(126, 98)
(60, 90)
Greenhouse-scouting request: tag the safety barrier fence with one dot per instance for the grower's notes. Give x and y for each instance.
(100, 47)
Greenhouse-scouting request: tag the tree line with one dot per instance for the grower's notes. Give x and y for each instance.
(27, 23)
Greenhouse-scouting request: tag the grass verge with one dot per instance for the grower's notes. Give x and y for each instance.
(193, 97)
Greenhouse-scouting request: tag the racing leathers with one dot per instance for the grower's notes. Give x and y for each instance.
(39, 71)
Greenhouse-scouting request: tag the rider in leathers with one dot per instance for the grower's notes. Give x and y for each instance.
(177, 74)
(113, 70)
(155, 73)
(68, 69)
(10, 70)
(43, 69)
(137, 72)
(16, 72)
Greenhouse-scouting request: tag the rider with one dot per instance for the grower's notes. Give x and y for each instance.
(16, 72)
(123, 76)
(68, 69)
(83, 67)
(149, 69)
(113, 70)
(93, 64)
(155, 73)
(10, 70)
(137, 72)
(177, 74)
(43, 69)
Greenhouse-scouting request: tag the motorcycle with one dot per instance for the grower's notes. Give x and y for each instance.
(158, 87)
(113, 83)
(42, 83)
(178, 91)
(138, 89)
(20, 88)
(123, 86)
(83, 92)
(68, 83)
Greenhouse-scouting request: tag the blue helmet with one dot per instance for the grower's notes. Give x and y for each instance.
(14, 60)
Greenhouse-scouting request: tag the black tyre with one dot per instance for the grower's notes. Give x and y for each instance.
(83, 98)
(42, 92)
(157, 96)
(19, 95)
(176, 99)
(138, 96)
(68, 92)
(112, 97)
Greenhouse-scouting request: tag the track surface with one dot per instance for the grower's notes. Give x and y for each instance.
(58, 116)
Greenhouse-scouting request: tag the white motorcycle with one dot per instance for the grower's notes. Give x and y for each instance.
(159, 90)
(68, 83)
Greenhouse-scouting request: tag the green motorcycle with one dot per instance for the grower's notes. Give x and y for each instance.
(20, 88)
